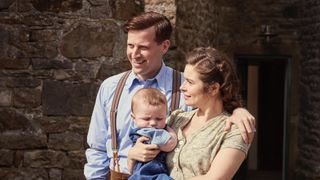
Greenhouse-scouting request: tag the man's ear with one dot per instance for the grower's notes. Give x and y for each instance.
(132, 115)
(165, 46)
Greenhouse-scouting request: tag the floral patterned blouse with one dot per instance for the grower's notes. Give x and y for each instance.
(193, 156)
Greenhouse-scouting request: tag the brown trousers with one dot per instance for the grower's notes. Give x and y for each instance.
(114, 175)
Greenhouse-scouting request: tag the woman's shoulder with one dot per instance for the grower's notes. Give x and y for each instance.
(179, 116)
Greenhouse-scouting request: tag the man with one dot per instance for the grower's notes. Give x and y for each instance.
(148, 41)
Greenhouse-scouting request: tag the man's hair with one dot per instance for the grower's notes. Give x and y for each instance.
(161, 23)
(151, 96)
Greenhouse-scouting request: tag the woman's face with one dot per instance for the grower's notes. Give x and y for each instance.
(193, 87)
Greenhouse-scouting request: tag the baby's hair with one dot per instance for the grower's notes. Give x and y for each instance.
(152, 96)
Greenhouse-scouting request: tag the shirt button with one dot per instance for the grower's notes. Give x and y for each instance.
(181, 142)
(176, 150)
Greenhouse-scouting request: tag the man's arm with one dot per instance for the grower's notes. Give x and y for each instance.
(172, 142)
(245, 122)
(97, 166)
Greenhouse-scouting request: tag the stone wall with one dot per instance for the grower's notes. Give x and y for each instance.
(309, 127)
(53, 57)
(236, 27)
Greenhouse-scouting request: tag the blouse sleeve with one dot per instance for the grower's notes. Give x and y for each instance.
(233, 139)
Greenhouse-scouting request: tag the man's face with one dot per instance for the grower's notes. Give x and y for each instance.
(144, 53)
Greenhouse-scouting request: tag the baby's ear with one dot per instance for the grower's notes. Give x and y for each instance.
(132, 115)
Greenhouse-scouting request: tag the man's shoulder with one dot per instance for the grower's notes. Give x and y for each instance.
(113, 80)
(172, 69)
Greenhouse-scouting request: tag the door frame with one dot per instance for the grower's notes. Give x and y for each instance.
(242, 61)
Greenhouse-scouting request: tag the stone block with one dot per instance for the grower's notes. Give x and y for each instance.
(24, 6)
(37, 19)
(61, 98)
(42, 74)
(90, 40)
(57, 5)
(5, 4)
(4, 33)
(11, 119)
(3, 82)
(26, 97)
(23, 35)
(11, 55)
(175, 59)
(157, 2)
(125, 9)
(45, 159)
(43, 35)
(22, 140)
(21, 63)
(87, 70)
(18, 159)
(73, 174)
(65, 141)
(53, 124)
(61, 74)
(5, 97)
(51, 64)
(6, 157)
(108, 69)
(79, 125)
(23, 173)
(97, 2)
(101, 11)
(77, 159)
(19, 82)
(55, 174)
(40, 49)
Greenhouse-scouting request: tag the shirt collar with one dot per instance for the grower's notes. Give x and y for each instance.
(160, 79)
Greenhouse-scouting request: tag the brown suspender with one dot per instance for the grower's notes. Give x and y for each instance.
(175, 99)
(113, 115)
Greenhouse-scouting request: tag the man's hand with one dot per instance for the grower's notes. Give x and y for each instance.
(245, 122)
(143, 152)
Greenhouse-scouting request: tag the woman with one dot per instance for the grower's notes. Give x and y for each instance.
(205, 150)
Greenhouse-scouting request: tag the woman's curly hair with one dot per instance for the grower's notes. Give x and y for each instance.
(214, 67)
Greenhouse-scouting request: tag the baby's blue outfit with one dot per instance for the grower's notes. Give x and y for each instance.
(155, 169)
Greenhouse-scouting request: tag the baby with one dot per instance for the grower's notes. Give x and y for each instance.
(149, 111)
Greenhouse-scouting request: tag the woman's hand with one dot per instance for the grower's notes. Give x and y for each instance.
(143, 152)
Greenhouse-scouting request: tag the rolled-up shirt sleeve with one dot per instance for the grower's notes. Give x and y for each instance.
(97, 166)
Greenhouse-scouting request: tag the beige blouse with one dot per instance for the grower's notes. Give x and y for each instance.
(193, 156)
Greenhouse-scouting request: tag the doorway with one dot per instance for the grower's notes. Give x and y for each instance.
(265, 88)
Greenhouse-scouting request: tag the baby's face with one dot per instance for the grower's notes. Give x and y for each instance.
(146, 116)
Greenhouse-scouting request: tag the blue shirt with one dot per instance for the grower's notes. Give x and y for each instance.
(99, 155)
(157, 136)
(155, 169)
